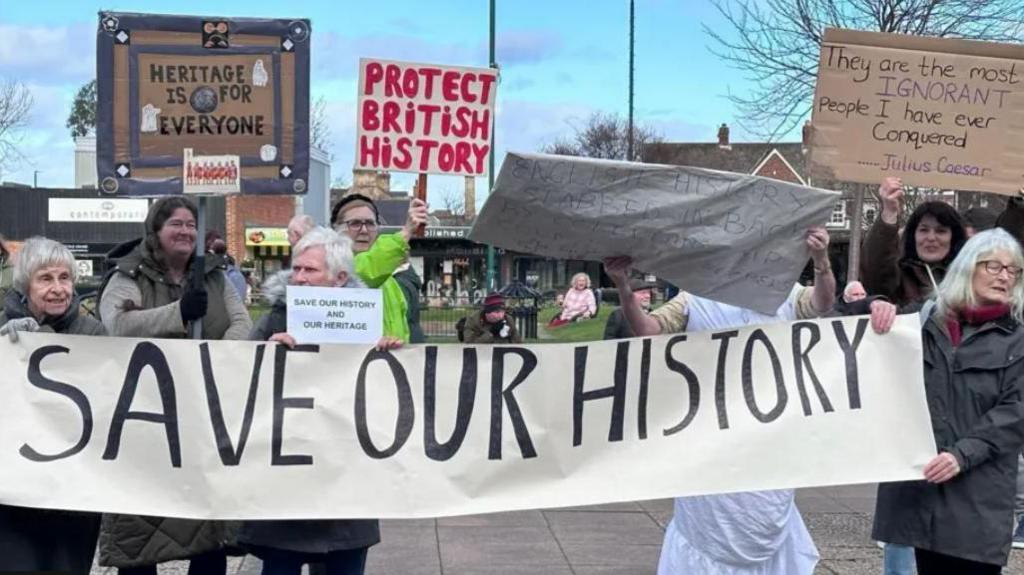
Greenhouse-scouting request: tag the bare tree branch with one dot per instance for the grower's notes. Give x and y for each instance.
(319, 128)
(605, 136)
(15, 106)
(776, 43)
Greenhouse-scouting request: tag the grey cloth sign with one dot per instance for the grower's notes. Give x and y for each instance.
(735, 238)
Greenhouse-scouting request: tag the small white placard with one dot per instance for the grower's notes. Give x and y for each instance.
(212, 175)
(335, 315)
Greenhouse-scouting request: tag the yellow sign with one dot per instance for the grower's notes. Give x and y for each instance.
(266, 237)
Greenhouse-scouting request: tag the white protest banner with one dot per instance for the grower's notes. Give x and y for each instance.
(424, 118)
(736, 238)
(226, 429)
(335, 315)
(937, 112)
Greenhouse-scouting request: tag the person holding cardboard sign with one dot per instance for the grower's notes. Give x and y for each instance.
(378, 257)
(957, 517)
(322, 258)
(753, 533)
(155, 291)
(931, 240)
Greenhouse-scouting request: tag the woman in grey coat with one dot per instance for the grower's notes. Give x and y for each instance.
(43, 299)
(959, 518)
(158, 291)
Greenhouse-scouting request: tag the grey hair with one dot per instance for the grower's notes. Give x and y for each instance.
(38, 252)
(956, 292)
(849, 286)
(572, 283)
(305, 222)
(337, 249)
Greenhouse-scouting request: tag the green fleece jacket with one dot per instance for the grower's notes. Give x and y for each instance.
(375, 267)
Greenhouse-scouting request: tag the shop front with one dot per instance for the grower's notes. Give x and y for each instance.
(267, 251)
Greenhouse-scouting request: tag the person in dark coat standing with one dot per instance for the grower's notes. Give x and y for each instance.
(43, 299)
(959, 517)
(617, 326)
(491, 324)
(411, 285)
(321, 258)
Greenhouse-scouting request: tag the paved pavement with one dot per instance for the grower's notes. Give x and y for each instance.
(615, 539)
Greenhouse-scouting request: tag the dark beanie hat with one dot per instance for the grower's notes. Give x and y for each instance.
(494, 302)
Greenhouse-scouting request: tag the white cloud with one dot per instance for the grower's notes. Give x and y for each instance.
(49, 55)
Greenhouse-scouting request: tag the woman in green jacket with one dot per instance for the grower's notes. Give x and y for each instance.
(377, 257)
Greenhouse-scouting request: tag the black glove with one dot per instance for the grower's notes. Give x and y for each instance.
(193, 302)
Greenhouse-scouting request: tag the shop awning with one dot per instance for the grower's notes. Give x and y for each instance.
(266, 237)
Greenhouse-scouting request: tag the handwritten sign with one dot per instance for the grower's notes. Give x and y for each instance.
(936, 112)
(184, 428)
(424, 118)
(735, 238)
(335, 315)
(222, 87)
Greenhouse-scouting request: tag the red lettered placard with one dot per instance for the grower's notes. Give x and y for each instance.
(424, 118)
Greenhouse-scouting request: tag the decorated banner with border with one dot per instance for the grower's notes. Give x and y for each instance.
(251, 430)
(937, 112)
(221, 86)
(424, 118)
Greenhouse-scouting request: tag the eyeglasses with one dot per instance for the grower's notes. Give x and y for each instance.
(994, 267)
(356, 225)
(178, 224)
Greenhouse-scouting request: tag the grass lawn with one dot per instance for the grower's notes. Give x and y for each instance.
(588, 330)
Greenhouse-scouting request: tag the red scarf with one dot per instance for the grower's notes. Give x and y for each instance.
(978, 315)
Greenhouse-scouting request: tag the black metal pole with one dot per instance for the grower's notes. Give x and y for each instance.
(629, 122)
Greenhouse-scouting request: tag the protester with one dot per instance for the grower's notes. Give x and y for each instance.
(491, 324)
(852, 293)
(6, 268)
(957, 518)
(617, 326)
(298, 226)
(322, 258)
(411, 285)
(43, 299)
(579, 302)
(978, 220)
(739, 533)
(377, 258)
(155, 292)
(215, 245)
(931, 239)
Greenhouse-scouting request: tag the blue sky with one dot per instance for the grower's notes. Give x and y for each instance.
(561, 60)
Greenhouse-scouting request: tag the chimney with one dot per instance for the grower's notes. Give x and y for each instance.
(383, 185)
(469, 199)
(723, 136)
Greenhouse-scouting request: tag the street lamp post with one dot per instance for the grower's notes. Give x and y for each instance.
(491, 279)
(629, 121)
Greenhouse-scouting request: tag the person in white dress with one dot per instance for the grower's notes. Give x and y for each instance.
(751, 533)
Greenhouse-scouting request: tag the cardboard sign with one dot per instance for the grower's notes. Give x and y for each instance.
(935, 112)
(424, 118)
(227, 87)
(216, 175)
(251, 430)
(335, 315)
(737, 238)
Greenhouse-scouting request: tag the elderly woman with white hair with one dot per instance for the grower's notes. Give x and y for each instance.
(959, 517)
(579, 301)
(321, 258)
(43, 299)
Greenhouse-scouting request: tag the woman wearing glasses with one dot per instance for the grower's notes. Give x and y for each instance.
(154, 293)
(958, 518)
(379, 257)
